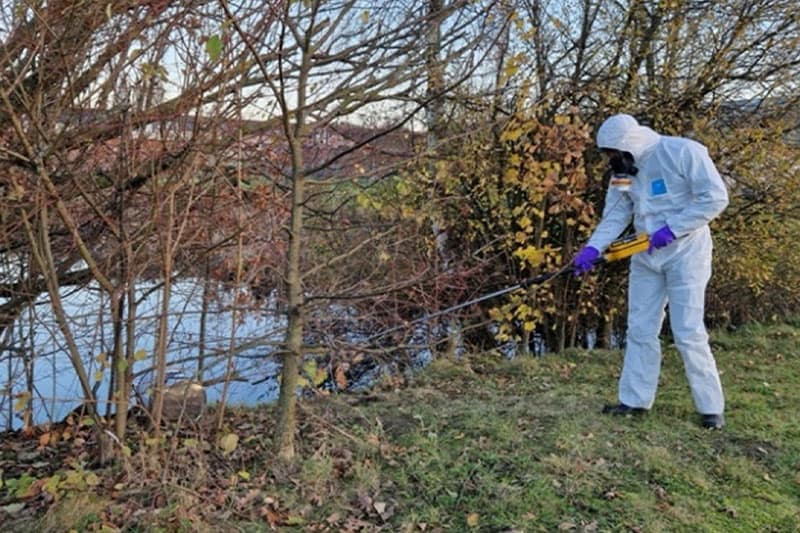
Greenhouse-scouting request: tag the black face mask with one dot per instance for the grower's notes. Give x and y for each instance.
(622, 163)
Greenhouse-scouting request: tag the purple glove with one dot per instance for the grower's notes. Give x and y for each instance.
(584, 261)
(660, 239)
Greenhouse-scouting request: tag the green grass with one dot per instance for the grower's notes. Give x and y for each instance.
(520, 445)
(486, 444)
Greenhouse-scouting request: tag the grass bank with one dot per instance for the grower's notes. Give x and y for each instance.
(482, 444)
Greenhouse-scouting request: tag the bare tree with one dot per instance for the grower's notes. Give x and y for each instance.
(336, 60)
(99, 126)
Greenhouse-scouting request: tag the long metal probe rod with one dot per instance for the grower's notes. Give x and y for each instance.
(532, 281)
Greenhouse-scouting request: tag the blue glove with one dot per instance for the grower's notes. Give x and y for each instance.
(660, 239)
(584, 261)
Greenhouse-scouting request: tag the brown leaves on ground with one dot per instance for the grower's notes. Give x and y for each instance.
(30, 460)
(191, 477)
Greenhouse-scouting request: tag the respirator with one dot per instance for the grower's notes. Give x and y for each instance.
(621, 162)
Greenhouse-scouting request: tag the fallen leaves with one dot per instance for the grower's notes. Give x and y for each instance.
(342, 459)
(228, 443)
(372, 507)
(44, 439)
(12, 508)
(340, 376)
(384, 511)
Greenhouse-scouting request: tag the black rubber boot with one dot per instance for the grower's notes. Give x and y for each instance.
(713, 421)
(621, 409)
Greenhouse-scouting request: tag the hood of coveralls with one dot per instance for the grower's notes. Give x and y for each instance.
(622, 132)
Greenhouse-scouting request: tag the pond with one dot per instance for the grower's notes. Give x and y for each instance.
(36, 340)
(38, 345)
(252, 340)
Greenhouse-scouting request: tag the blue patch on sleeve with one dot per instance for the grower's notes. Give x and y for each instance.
(658, 187)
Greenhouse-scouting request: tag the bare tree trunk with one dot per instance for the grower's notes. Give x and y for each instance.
(543, 77)
(562, 336)
(116, 348)
(294, 333)
(40, 246)
(238, 279)
(435, 118)
(121, 368)
(28, 358)
(201, 341)
(10, 420)
(293, 355)
(125, 373)
(606, 333)
(525, 343)
(207, 291)
(160, 352)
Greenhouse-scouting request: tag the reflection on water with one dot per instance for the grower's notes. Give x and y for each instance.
(56, 386)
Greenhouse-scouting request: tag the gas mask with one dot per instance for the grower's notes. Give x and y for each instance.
(622, 163)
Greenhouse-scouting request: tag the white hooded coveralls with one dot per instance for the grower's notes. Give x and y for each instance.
(677, 185)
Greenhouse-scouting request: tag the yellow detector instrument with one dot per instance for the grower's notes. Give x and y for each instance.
(626, 247)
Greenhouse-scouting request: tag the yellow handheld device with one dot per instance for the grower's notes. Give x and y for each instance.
(626, 247)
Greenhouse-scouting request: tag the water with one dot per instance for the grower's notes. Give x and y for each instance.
(57, 388)
(257, 334)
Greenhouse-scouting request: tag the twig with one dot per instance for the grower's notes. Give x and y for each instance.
(330, 425)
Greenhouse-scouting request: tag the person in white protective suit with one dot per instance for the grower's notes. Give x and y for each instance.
(671, 189)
